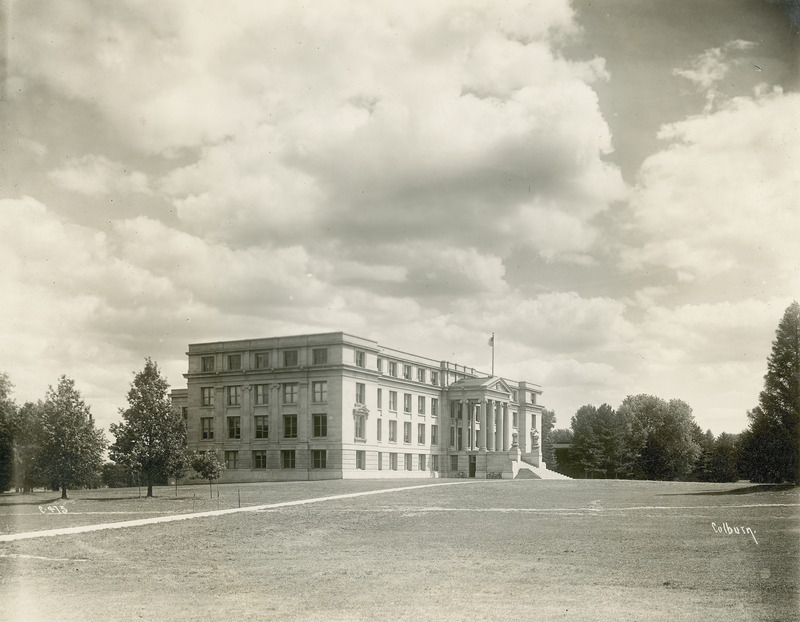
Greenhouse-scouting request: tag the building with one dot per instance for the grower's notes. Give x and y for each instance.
(334, 405)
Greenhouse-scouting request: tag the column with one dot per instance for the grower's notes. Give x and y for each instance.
(506, 427)
(482, 417)
(465, 424)
(489, 425)
(498, 426)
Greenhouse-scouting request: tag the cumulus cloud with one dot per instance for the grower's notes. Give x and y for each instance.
(97, 175)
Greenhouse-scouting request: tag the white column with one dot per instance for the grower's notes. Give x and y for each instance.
(506, 428)
(464, 425)
(498, 426)
(482, 416)
(489, 425)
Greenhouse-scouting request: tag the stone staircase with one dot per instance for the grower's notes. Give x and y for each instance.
(523, 470)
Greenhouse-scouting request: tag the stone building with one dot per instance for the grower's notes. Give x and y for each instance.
(334, 405)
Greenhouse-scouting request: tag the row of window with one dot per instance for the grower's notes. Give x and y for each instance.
(407, 403)
(289, 393)
(261, 427)
(421, 436)
(422, 461)
(423, 374)
(319, 460)
(290, 358)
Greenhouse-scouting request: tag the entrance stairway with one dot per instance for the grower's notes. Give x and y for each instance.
(523, 470)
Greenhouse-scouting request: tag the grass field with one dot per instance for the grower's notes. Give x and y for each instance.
(497, 550)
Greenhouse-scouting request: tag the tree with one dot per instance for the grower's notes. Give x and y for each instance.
(70, 449)
(770, 447)
(7, 409)
(548, 423)
(26, 425)
(151, 438)
(602, 441)
(208, 467)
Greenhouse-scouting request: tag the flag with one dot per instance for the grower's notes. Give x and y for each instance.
(491, 340)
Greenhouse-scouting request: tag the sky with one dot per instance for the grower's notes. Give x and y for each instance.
(611, 188)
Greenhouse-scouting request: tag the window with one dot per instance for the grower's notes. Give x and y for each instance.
(393, 462)
(262, 360)
(393, 401)
(207, 396)
(434, 407)
(380, 365)
(319, 356)
(408, 459)
(290, 426)
(407, 372)
(393, 369)
(234, 396)
(207, 428)
(422, 462)
(421, 404)
(420, 374)
(231, 458)
(287, 458)
(392, 431)
(380, 398)
(320, 425)
(260, 459)
(234, 427)
(406, 402)
(380, 461)
(290, 393)
(207, 363)
(319, 391)
(290, 359)
(262, 394)
(234, 361)
(434, 463)
(380, 429)
(361, 359)
(361, 391)
(514, 420)
(185, 412)
(319, 458)
(434, 434)
(452, 435)
(454, 463)
(361, 460)
(361, 427)
(435, 377)
(261, 425)
(513, 395)
(533, 398)
(421, 433)
(407, 432)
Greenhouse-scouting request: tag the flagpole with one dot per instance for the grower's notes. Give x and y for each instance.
(492, 355)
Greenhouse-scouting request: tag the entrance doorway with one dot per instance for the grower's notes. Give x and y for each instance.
(473, 464)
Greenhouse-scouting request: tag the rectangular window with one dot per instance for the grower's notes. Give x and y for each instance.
(454, 463)
(319, 391)
(421, 404)
(420, 374)
(393, 462)
(380, 398)
(361, 393)
(262, 394)
(434, 407)
(319, 458)
(234, 396)
(319, 356)
(234, 427)
(207, 428)
(361, 359)
(287, 458)
(361, 427)
(408, 459)
(261, 425)
(207, 395)
(421, 433)
(320, 426)
(393, 401)
(234, 362)
(513, 395)
(185, 412)
(262, 360)
(422, 462)
(290, 426)
(260, 459)
(290, 393)
(514, 420)
(406, 402)
(393, 369)
(392, 431)
(435, 377)
(407, 372)
(380, 365)
(208, 363)
(434, 434)
(407, 432)
(434, 463)
(231, 458)
(452, 435)
(290, 359)
(379, 431)
(380, 461)
(361, 460)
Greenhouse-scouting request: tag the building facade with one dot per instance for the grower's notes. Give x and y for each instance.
(334, 405)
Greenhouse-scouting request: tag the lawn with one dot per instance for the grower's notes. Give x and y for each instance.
(499, 550)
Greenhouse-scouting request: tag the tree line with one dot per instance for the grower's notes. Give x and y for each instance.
(54, 443)
(651, 438)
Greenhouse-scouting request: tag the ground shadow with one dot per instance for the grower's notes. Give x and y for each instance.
(29, 501)
(745, 490)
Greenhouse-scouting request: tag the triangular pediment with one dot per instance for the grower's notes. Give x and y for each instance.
(499, 385)
(492, 384)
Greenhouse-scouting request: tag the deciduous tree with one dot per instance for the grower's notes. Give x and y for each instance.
(7, 409)
(151, 437)
(548, 423)
(602, 441)
(208, 467)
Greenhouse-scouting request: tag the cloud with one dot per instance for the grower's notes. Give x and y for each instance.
(96, 175)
